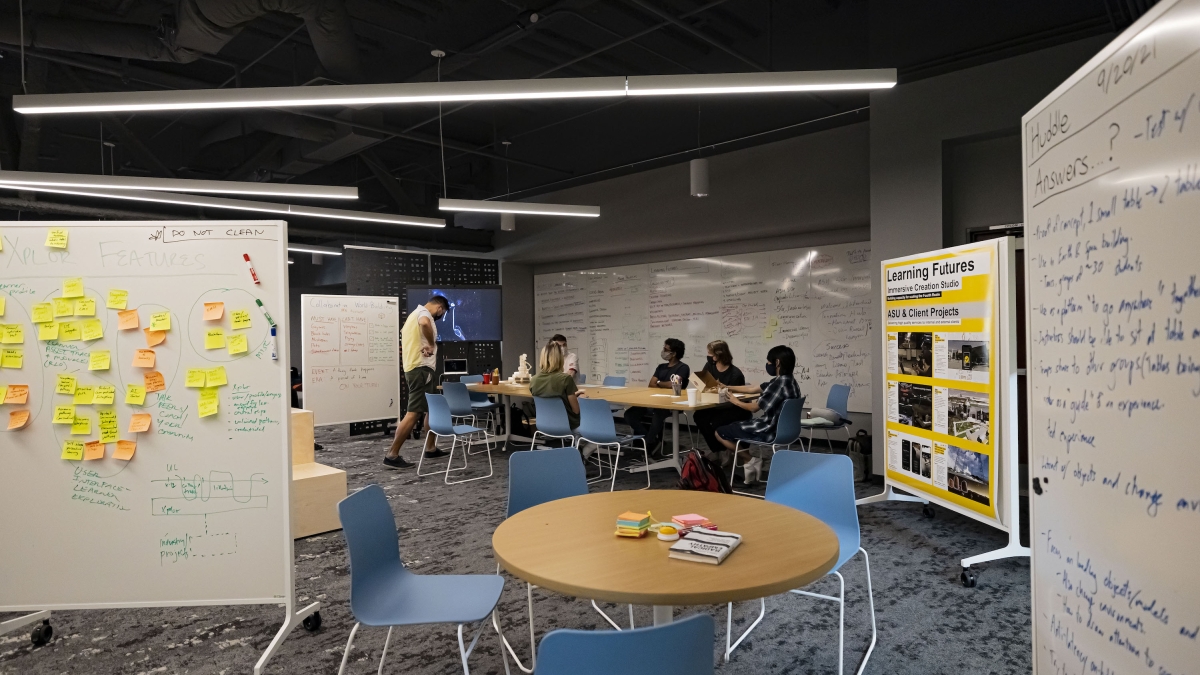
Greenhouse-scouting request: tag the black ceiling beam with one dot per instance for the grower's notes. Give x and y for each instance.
(697, 33)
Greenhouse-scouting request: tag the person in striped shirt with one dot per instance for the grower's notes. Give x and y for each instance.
(781, 362)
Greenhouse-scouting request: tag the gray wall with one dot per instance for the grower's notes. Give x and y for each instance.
(517, 299)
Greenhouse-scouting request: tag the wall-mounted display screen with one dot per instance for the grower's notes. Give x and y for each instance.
(474, 314)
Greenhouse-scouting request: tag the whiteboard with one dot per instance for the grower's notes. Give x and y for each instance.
(200, 514)
(815, 300)
(1112, 171)
(351, 357)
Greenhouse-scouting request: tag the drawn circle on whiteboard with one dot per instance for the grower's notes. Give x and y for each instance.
(258, 335)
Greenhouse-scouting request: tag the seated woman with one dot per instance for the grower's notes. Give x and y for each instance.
(781, 361)
(552, 382)
(720, 366)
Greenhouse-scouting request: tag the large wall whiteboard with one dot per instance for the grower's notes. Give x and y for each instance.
(1112, 193)
(200, 514)
(815, 300)
(351, 357)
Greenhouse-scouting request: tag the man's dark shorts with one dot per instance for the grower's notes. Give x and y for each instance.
(421, 380)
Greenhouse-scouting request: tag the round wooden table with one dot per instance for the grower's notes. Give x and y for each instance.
(569, 546)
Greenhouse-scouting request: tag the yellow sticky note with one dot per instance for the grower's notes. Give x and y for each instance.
(214, 338)
(93, 450)
(12, 358)
(72, 450)
(93, 329)
(139, 422)
(2, 298)
(127, 319)
(105, 394)
(240, 318)
(773, 321)
(82, 426)
(85, 394)
(195, 377)
(160, 321)
(64, 414)
(125, 450)
(117, 298)
(135, 394)
(209, 402)
(73, 287)
(99, 360)
(48, 331)
(63, 307)
(57, 238)
(70, 330)
(43, 312)
(65, 384)
(213, 310)
(143, 358)
(14, 334)
(215, 377)
(237, 343)
(85, 307)
(108, 426)
(3, 393)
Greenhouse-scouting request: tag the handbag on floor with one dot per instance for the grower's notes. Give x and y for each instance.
(700, 474)
(859, 451)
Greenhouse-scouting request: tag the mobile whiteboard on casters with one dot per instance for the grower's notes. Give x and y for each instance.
(351, 357)
(1112, 193)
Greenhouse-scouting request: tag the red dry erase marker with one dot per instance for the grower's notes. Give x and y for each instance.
(253, 274)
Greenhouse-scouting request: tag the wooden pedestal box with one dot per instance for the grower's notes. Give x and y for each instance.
(316, 488)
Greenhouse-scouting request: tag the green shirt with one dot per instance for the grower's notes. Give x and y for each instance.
(555, 385)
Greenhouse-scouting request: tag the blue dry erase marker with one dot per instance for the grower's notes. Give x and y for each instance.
(265, 312)
(274, 345)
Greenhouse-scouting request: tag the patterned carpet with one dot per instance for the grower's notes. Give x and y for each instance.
(928, 622)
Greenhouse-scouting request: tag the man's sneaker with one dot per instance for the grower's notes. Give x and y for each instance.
(435, 453)
(397, 462)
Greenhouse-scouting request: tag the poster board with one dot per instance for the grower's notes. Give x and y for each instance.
(350, 360)
(815, 300)
(200, 514)
(1111, 173)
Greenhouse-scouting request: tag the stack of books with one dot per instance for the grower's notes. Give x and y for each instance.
(693, 520)
(706, 546)
(633, 524)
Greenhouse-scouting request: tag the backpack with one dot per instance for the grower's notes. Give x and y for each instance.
(700, 474)
(859, 451)
(520, 422)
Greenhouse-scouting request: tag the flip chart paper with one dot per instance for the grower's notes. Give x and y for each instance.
(125, 450)
(72, 450)
(143, 358)
(139, 422)
(12, 358)
(56, 238)
(117, 298)
(154, 381)
(99, 360)
(213, 310)
(43, 312)
(209, 401)
(65, 384)
(214, 338)
(69, 331)
(240, 318)
(72, 288)
(154, 337)
(17, 394)
(48, 331)
(109, 433)
(17, 419)
(64, 414)
(14, 334)
(93, 329)
(82, 426)
(237, 343)
(135, 394)
(63, 307)
(127, 319)
(105, 394)
(160, 321)
(195, 377)
(93, 450)
(215, 377)
(85, 394)
(85, 307)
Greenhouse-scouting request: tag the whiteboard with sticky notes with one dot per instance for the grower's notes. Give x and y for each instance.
(1112, 189)
(124, 481)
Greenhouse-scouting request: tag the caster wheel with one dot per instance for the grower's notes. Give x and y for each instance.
(928, 511)
(312, 622)
(967, 578)
(42, 634)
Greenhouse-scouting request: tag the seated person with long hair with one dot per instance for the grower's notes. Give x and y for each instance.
(720, 366)
(552, 382)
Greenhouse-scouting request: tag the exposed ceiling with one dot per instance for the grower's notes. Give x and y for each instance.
(518, 148)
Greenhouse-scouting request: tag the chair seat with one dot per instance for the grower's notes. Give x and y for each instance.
(620, 440)
(406, 599)
(822, 423)
(464, 429)
(748, 441)
(484, 405)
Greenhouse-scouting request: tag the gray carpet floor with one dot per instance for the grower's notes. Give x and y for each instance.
(927, 621)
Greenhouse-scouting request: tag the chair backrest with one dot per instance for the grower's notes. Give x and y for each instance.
(439, 414)
(787, 427)
(552, 416)
(476, 396)
(471, 379)
(458, 397)
(839, 398)
(684, 647)
(539, 477)
(614, 381)
(821, 486)
(596, 421)
(371, 539)
(581, 378)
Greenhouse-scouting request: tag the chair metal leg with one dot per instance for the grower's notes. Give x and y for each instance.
(631, 626)
(449, 460)
(504, 644)
(737, 447)
(349, 643)
(729, 627)
(871, 600)
(466, 449)
(465, 652)
(386, 642)
(646, 459)
(607, 618)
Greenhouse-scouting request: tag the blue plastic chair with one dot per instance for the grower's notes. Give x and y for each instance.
(581, 378)
(823, 487)
(614, 381)
(837, 401)
(384, 593)
(481, 402)
(552, 420)
(596, 426)
(458, 397)
(536, 478)
(680, 648)
(441, 425)
(787, 432)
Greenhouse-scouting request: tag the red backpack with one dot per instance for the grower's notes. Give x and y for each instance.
(700, 474)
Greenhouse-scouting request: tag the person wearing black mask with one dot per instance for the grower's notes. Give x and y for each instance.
(649, 423)
(781, 361)
(708, 420)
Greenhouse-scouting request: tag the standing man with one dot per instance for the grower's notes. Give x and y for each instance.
(419, 341)
(570, 361)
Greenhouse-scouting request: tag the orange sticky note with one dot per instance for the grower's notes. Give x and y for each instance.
(143, 358)
(125, 450)
(213, 310)
(93, 450)
(154, 381)
(17, 394)
(154, 337)
(127, 319)
(17, 419)
(139, 422)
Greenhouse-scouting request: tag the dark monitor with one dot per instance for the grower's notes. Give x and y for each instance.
(455, 367)
(474, 316)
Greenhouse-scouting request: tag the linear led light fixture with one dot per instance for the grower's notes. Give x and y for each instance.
(314, 248)
(237, 205)
(518, 207)
(434, 92)
(89, 181)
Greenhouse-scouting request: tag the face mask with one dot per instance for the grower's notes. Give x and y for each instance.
(711, 360)
(666, 355)
(771, 369)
